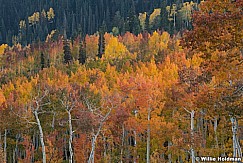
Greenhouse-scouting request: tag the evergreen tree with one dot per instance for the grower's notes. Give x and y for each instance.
(134, 23)
(86, 14)
(65, 26)
(42, 61)
(147, 26)
(82, 53)
(102, 31)
(164, 17)
(67, 52)
(118, 21)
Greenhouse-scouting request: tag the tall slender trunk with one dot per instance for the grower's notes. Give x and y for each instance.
(53, 121)
(236, 146)
(169, 155)
(15, 154)
(135, 146)
(215, 131)
(41, 137)
(148, 136)
(93, 143)
(70, 136)
(192, 136)
(95, 136)
(135, 140)
(5, 146)
(123, 139)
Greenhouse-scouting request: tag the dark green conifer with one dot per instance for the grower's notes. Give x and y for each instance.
(82, 53)
(102, 31)
(42, 61)
(67, 52)
(147, 26)
(164, 17)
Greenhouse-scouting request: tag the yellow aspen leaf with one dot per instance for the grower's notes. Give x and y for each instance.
(22, 24)
(158, 42)
(169, 73)
(91, 46)
(115, 50)
(7, 89)
(196, 60)
(153, 16)
(2, 98)
(50, 14)
(2, 48)
(142, 18)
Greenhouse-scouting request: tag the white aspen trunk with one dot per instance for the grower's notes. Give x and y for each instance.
(236, 146)
(135, 147)
(41, 137)
(174, 19)
(215, 131)
(135, 140)
(148, 137)
(5, 146)
(95, 136)
(169, 155)
(93, 143)
(53, 121)
(192, 136)
(123, 139)
(70, 136)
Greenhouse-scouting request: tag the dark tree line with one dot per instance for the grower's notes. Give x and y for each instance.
(84, 16)
(75, 16)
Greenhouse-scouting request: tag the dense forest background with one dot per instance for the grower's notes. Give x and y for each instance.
(28, 21)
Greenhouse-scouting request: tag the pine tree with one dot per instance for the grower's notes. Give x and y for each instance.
(164, 17)
(134, 23)
(102, 31)
(82, 53)
(42, 61)
(67, 52)
(147, 27)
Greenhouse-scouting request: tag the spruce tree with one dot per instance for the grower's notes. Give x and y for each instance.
(82, 53)
(164, 17)
(102, 31)
(42, 61)
(67, 52)
(147, 26)
(134, 24)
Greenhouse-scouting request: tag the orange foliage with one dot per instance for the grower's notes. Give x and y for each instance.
(91, 46)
